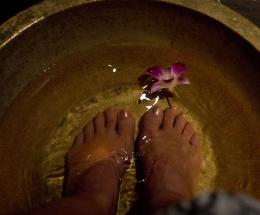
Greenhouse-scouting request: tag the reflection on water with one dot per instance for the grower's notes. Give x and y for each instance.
(113, 68)
(149, 103)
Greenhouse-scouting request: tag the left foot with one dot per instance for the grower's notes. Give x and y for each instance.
(100, 154)
(170, 154)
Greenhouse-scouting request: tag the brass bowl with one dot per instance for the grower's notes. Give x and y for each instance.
(55, 76)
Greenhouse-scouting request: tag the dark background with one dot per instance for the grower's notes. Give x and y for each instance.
(9, 8)
(248, 8)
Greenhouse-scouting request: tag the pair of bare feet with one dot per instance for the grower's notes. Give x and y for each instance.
(169, 149)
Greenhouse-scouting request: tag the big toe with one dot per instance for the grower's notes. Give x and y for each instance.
(151, 120)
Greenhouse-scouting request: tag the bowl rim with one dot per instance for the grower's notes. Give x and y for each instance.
(13, 27)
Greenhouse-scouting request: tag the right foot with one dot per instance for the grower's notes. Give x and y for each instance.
(170, 155)
(100, 155)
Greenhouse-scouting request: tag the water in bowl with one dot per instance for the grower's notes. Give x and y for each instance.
(52, 110)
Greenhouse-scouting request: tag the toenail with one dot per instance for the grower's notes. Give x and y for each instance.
(124, 114)
(156, 110)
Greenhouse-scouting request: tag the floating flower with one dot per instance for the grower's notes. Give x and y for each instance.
(168, 78)
(161, 82)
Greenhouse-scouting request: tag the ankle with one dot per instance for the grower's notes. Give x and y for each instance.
(166, 187)
(99, 185)
(101, 178)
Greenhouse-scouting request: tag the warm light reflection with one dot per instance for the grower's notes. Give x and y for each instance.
(113, 68)
(149, 107)
(144, 97)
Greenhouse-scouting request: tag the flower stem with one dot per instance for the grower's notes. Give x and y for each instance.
(168, 101)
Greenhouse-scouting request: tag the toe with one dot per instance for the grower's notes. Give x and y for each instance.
(111, 118)
(125, 124)
(99, 123)
(180, 123)
(169, 118)
(188, 131)
(89, 131)
(79, 139)
(152, 120)
(194, 141)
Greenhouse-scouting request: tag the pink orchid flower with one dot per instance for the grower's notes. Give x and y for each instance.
(168, 78)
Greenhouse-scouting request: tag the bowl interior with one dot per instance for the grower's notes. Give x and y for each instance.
(59, 73)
